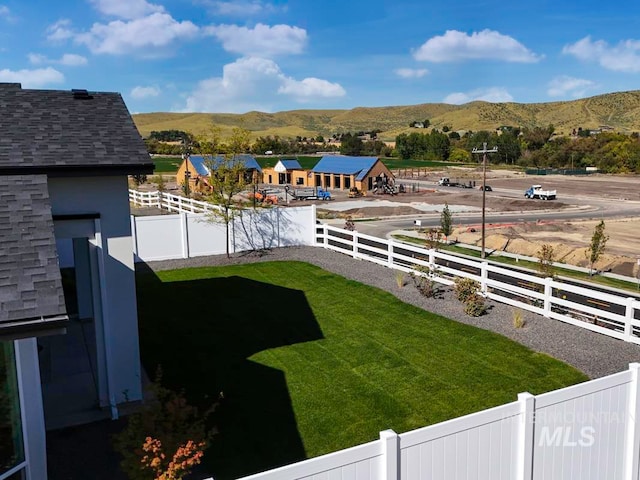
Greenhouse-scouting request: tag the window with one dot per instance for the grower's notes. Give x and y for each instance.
(11, 443)
(347, 182)
(299, 181)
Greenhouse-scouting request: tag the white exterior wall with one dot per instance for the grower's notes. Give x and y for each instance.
(108, 196)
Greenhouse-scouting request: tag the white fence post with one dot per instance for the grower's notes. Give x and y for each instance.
(159, 199)
(354, 238)
(628, 323)
(134, 236)
(184, 230)
(526, 432)
(432, 259)
(484, 275)
(390, 252)
(631, 459)
(547, 296)
(325, 235)
(390, 455)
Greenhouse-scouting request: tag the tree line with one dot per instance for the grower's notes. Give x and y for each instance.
(535, 147)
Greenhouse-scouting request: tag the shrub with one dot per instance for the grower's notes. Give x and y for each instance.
(170, 425)
(475, 306)
(465, 288)
(518, 318)
(422, 278)
(399, 278)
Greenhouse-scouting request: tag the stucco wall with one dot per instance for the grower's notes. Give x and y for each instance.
(108, 197)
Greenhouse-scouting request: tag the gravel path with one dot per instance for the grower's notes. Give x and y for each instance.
(594, 354)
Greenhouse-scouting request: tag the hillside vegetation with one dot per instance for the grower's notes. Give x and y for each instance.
(619, 110)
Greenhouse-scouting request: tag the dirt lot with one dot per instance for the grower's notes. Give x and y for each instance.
(569, 239)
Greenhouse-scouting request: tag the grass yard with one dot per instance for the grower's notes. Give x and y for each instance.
(310, 362)
(166, 164)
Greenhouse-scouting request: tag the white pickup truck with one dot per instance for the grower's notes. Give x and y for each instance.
(536, 191)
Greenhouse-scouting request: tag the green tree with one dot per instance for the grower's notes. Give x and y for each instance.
(351, 145)
(227, 180)
(546, 257)
(597, 246)
(446, 222)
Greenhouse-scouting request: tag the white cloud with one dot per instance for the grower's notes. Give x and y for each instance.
(127, 9)
(623, 57)
(262, 40)
(36, 78)
(242, 8)
(457, 46)
(150, 36)
(250, 83)
(311, 89)
(60, 31)
(564, 85)
(68, 59)
(72, 60)
(411, 72)
(493, 94)
(144, 92)
(37, 59)
(5, 14)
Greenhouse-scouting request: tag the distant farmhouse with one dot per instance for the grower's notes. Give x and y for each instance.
(196, 170)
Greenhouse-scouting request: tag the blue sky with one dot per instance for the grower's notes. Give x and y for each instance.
(238, 56)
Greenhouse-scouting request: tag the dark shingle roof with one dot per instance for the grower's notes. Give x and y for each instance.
(48, 131)
(30, 283)
(345, 165)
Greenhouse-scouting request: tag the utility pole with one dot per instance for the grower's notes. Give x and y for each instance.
(484, 152)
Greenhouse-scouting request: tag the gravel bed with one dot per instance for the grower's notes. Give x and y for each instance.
(592, 353)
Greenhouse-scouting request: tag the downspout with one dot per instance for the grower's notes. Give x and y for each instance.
(102, 250)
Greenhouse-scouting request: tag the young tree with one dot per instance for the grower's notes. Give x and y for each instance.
(598, 244)
(546, 257)
(446, 222)
(227, 179)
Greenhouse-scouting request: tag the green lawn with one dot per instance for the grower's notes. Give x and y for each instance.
(166, 164)
(310, 362)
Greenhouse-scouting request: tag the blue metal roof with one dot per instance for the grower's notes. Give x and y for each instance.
(200, 163)
(345, 165)
(291, 164)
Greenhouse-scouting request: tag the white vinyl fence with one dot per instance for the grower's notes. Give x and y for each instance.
(168, 201)
(604, 312)
(588, 431)
(164, 237)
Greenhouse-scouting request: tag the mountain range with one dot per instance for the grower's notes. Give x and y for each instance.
(619, 110)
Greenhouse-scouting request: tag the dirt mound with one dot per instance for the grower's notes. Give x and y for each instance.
(569, 242)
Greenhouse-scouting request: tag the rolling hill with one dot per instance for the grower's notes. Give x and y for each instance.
(620, 110)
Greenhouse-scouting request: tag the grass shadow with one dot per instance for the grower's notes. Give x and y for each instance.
(202, 332)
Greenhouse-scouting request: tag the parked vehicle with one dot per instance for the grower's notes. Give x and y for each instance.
(446, 182)
(487, 188)
(355, 193)
(264, 196)
(317, 193)
(536, 191)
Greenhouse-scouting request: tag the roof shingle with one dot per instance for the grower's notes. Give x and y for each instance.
(30, 283)
(44, 131)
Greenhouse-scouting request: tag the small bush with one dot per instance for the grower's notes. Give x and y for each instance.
(349, 224)
(423, 280)
(465, 288)
(475, 306)
(399, 276)
(518, 318)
